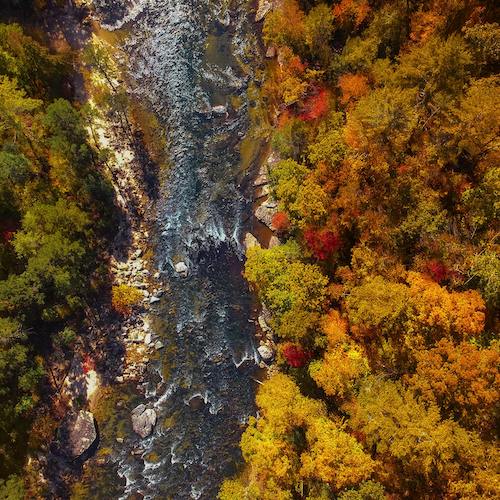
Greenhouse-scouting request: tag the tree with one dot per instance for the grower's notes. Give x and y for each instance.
(318, 30)
(376, 306)
(367, 490)
(430, 451)
(124, 297)
(284, 283)
(285, 26)
(37, 72)
(462, 379)
(333, 456)
(383, 120)
(353, 86)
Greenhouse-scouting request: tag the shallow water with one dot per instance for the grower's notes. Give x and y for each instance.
(187, 56)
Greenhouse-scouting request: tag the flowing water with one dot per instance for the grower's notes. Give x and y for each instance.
(187, 56)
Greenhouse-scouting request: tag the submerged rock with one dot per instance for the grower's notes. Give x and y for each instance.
(78, 433)
(143, 420)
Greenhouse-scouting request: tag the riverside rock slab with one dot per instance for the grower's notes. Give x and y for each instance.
(263, 9)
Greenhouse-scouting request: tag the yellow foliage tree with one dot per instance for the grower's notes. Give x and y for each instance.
(124, 297)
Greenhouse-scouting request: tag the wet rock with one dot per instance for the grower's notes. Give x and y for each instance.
(219, 110)
(77, 433)
(250, 241)
(143, 420)
(181, 268)
(263, 8)
(265, 352)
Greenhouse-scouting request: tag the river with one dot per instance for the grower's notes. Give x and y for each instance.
(185, 58)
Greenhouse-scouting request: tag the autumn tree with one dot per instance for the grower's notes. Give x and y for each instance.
(462, 379)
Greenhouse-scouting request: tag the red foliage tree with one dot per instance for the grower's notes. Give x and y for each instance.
(437, 270)
(295, 355)
(322, 243)
(316, 106)
(280, 222)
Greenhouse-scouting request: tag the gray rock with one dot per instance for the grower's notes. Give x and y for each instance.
(78, 433)
(181, 268)
(265, 213)
(144, 421)
(139, 409)
(263, 323)
(153, 300)
(250, 241)
(271, 52)
(266, 353)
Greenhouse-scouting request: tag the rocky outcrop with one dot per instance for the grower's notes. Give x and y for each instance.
(263, 8)
(266, 212)
(77, 434)
(274, 241)
(143, 420)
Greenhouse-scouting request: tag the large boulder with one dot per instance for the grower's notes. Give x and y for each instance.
(143, 420)
(77, 433)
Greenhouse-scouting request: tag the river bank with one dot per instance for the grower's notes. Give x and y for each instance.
(171, 382)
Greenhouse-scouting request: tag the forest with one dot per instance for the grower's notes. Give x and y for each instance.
(385, 294)
(56, 210)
